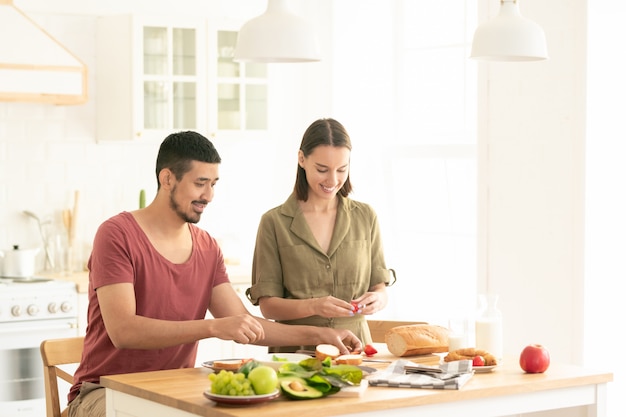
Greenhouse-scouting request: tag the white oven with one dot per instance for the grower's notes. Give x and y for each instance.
(31, 311)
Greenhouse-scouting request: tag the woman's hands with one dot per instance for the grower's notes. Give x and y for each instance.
(369, 303)
(330, 306)
(373, 300)
(276, 308)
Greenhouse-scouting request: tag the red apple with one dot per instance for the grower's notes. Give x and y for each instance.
(534, 359)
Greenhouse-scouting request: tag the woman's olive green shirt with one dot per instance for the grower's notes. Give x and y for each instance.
(289, 263)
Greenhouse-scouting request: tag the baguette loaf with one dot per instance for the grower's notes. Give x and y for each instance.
(417, 339)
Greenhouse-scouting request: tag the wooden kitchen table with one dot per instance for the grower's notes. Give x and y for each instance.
(505, 391)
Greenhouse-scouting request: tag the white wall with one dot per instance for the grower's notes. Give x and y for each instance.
(531, 137)
(605, 231)
(551, 144)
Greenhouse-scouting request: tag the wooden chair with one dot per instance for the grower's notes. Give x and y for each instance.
(378, 328)
(58, 352)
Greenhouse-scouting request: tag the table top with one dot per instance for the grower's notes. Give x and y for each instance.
(183, 389)
(80, 278)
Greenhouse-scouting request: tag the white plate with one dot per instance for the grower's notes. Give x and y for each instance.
(484, 369)
(288, 357)
(241, 400)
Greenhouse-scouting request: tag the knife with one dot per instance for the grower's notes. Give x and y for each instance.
(376, 360)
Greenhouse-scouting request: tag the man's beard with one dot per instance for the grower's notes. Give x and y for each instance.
(180, 212)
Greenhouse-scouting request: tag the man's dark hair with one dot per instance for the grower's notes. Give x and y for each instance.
(178, 150)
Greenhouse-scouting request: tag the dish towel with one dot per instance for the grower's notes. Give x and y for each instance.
(455, 374)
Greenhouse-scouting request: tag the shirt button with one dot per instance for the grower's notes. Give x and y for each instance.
(327, 266)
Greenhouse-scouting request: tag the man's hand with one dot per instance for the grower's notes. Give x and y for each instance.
(242, 328)
(344, 339)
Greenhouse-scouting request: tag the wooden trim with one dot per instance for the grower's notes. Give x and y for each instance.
(44, 98)
(80, 97)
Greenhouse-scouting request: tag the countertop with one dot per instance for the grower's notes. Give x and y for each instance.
(81, 279)
(238, 274)
(183, 389)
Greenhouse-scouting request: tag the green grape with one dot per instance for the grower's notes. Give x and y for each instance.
(230, 383)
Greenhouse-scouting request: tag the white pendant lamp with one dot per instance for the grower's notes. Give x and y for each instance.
(278, 35)
(509, 37)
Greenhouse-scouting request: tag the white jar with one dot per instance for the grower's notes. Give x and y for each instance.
(489, 335)
(458, 334)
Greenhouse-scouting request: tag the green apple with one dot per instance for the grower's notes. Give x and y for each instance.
(263, 379)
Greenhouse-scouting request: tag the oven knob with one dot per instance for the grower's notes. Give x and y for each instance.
(16, 311)
(32, 310)
(66, 307)
(53, 308)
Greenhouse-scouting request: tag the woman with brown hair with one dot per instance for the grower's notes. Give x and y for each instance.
(318, 258)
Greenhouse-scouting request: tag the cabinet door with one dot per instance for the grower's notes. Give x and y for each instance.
(238, 92)
(151, 77)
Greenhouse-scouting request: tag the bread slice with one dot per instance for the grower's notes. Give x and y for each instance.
(228, 365)
(349, 360)
(324, 351)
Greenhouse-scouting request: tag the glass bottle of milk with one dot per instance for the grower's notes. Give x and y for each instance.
(489, 325)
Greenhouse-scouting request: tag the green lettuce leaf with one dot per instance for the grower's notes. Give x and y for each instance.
(248, 366)
(328, 379)
(348, 373)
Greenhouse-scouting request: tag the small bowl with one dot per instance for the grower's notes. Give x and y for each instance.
(270, 359)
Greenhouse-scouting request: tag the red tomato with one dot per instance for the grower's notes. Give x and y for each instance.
(478, 361)
(370, 350)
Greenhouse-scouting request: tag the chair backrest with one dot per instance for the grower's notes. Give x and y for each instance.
(58, 352)
(378, 328)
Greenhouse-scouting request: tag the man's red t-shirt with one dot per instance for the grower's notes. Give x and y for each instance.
(163, 290)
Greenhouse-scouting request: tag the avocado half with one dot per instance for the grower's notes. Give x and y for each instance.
(297, 389)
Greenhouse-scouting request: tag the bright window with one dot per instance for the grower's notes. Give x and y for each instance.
(408, 100)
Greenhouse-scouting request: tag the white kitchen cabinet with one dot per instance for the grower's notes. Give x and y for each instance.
(238, 92)
(150, 76)
(156, 75)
